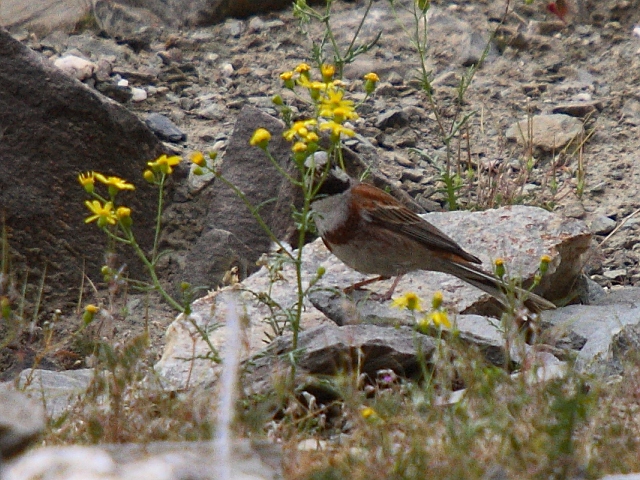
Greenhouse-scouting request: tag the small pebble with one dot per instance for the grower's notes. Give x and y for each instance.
(139, 94)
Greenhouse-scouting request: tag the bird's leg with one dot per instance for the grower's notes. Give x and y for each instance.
(387, 295)
(376, 296)
(363, 283)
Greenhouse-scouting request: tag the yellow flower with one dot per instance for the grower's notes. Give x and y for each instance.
(165, 164)
(368, 412)
(372, 77)
(299, 147)
(124, 215)
(312, 137)
(409, 300)
(115, 182)
(370, 81)
(334, 100)
(337, 130)
(89, 313)
(439, 318)
(327, 71)
(314, 87)
(300, 129)
(260, 138)
(287, 78)
(545, 260)
(284, 76)
(123, 212)
(87, 180)
(102, 213)
(340, 115)
(198, 159)
(303, 68)
(92, 308)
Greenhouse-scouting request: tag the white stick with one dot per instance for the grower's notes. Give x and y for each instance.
(228, 385)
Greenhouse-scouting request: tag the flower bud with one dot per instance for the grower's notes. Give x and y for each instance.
(5, 308)
(499, 267)
(370, 82)
(544, 264)
(423, 5)
(124, 215)
(149, 176)
(89, 313)
(436, 300)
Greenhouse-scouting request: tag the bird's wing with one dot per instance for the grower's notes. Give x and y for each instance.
(380, 208)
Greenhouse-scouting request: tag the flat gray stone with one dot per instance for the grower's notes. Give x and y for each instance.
(164, 128)
(328, 350)
(58, 390)
(550, 132)
(602, 225)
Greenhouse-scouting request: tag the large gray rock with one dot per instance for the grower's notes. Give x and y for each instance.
(225, 232)
(21, 421)
(606, 335)
(54, 127)
(127, 18)
(43, 16)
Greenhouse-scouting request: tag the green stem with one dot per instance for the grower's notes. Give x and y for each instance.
(130, 240)
(158, 219)
(256, 215)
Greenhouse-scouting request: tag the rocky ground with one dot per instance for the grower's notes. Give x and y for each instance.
(200, 78)
(189, 86)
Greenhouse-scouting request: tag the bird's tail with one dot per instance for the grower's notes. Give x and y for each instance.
(487, 282)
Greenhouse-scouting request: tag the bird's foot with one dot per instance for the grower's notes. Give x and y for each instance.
(380, 297)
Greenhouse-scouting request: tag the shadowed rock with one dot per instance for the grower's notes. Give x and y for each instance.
(53, 127)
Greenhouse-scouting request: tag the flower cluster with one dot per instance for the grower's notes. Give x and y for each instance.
(436, 316)
(103, 211)
(332, 110)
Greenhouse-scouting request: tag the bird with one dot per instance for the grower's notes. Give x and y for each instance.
(374, 234)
